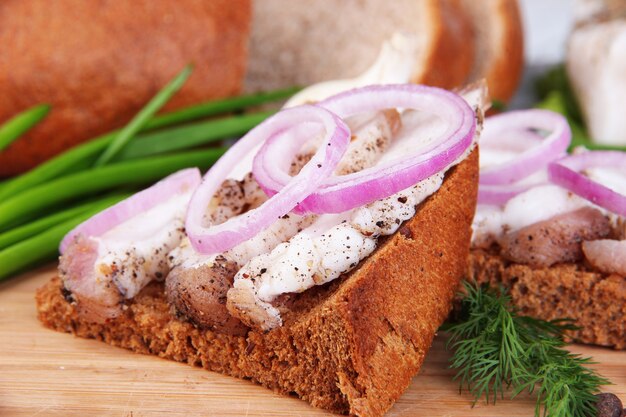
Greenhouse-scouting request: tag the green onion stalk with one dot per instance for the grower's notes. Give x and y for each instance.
(40, 198)
(144, 115)
(83, 156)
(22, 123)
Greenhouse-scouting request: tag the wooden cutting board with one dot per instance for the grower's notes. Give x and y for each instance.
(45, 373)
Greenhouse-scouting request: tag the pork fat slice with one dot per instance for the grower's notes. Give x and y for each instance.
(101, 272)
(331, 246)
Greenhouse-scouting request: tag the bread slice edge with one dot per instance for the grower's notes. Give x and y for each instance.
(596, 301)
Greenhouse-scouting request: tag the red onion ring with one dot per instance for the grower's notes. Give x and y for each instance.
(531, 160)
(499, 194)
(512, 140)
(219, 238)
(566, 173)
(342, 193)
(515, 141)
(178, 183)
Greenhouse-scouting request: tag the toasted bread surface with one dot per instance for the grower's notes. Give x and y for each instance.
(98, 63)
(597, 302)
(351, 346)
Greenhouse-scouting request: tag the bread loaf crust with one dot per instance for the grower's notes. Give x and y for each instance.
(351, 346)
(505, 70)
(596, 301)
(499, 51)
(450, 55)
(98, 63)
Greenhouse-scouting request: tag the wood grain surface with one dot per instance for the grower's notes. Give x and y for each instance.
(45, 373)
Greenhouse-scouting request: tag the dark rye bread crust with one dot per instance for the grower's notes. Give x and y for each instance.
(351, 346)
(596, 301)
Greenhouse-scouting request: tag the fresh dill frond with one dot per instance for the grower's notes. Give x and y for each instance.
(495, 349)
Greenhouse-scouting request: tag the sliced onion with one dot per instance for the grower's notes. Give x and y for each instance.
(341, 193)
(513, 141)
(181, 182)
(499, 194)
(566, 173)
(530, 160)
(219, 238)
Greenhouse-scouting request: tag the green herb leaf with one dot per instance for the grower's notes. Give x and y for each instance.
(22, 123)
(495, 348)
(556, 79)
(498, 105)
(144, 116)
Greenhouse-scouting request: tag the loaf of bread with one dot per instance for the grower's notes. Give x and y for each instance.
(98, 63)
(595, 301)
(350, 346)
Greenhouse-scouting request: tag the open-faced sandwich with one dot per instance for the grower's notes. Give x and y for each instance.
(317, 257)
(551, 227)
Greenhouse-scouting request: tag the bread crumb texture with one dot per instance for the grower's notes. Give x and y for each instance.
(597, 302)
(351, 346)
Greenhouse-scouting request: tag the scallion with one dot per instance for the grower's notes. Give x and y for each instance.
(83, 156)
(214, 108)
(22, 123)
(147, 144)
(145, 114)
(131, 173)
(190, 135)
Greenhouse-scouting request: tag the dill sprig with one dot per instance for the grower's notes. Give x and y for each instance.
(497, 349)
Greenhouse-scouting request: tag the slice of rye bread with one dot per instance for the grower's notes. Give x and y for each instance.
(498, 32)
(327, 40)
(460, 41)
(351, 346)
(596, 301)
